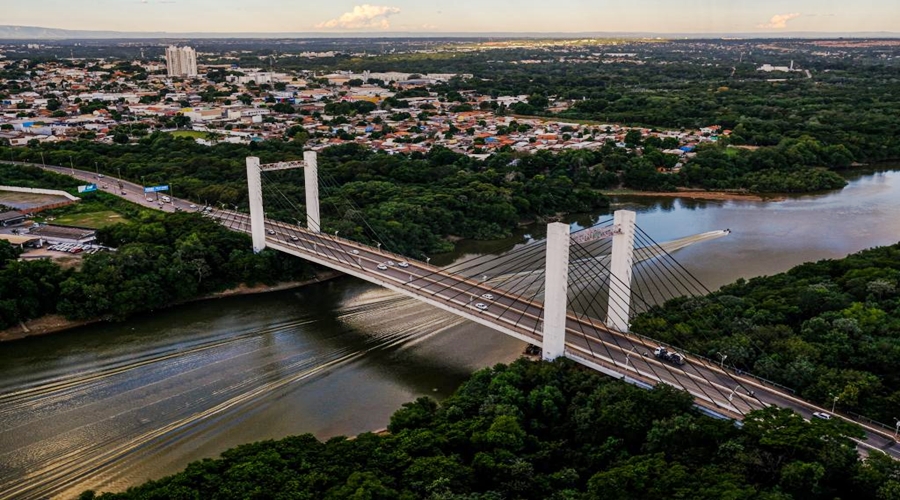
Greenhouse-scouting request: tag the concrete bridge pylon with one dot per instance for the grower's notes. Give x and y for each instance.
(310, 166)
(557, 276)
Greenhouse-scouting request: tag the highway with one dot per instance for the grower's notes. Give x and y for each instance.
(589, 342)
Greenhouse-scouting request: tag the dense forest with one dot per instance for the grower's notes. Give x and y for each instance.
(826, 329)
(161, 259)
(417, 201)
(537, 430)
(411, 202)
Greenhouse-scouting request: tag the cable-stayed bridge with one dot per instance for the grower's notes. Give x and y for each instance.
(549, 293)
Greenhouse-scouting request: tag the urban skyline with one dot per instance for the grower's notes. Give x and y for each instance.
(689, 16)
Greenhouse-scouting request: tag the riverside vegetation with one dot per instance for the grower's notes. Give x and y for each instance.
(162, 259)
(536, 430)
(826, 329)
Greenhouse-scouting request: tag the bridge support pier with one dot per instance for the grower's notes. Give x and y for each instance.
(556, 282)
(622, 261)
(257, 215)
(311, 181)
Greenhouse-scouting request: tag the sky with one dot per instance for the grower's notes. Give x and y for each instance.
(436, 16)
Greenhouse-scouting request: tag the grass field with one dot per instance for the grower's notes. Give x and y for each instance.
(94, 220)
(193, 134)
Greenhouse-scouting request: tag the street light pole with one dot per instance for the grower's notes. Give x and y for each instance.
(722, 362)
(628, 356)
(834, 403)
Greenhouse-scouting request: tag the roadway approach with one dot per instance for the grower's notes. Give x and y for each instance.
(627, 356)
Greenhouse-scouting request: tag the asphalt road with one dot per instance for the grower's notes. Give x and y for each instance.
(589, 341)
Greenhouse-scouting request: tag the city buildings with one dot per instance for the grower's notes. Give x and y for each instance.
(181, 61)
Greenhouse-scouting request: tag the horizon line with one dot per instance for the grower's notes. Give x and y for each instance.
(464, 34)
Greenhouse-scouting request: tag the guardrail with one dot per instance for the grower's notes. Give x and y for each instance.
(732, 368)
(868, 421)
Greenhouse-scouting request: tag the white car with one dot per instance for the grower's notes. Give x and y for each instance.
(271, 231)
(150, 200)
(294, 238)
(403, 264)
(193, 206)
(487, 296)
(481, 306)
(382, 267)
(390, 263)
(822, 415)
(354, 251)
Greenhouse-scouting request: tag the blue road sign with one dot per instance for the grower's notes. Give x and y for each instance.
(155, 189)
(87, 189)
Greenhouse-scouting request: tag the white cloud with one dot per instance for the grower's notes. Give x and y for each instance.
(362, 17)
(779, 21)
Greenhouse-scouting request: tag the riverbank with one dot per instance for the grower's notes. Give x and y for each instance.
(696, 194)
(55, 323)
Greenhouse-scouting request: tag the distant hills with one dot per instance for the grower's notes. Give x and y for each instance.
(40, 33)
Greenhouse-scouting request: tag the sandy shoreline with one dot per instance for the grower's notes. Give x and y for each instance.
(695, 194)
(53, 323)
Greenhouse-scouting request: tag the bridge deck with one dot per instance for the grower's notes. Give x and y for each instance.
(589, 341)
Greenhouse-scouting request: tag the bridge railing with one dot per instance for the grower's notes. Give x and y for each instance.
(868, 421)
(732, 368)
(856, 417)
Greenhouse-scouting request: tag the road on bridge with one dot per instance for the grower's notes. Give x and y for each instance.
(589, 342)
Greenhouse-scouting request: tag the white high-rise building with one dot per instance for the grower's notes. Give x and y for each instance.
(181, 61)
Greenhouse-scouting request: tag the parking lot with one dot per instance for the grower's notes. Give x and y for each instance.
(75, 248)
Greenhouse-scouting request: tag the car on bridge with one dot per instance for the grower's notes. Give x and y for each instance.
(294, 238)
(821, 415)
(487, 296)
(403, 263)
(354, 251)
(382, 267)
(481, 306)
(271, 231)
(670, 356)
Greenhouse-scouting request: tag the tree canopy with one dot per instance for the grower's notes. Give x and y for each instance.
(537, 430)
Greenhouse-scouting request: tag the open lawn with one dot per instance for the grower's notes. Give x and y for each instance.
(193, 134)
(94, 220)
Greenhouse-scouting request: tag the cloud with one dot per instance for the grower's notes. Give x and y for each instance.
(363, 16)
(779, 21)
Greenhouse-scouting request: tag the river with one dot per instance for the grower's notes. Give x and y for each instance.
(112, 405)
